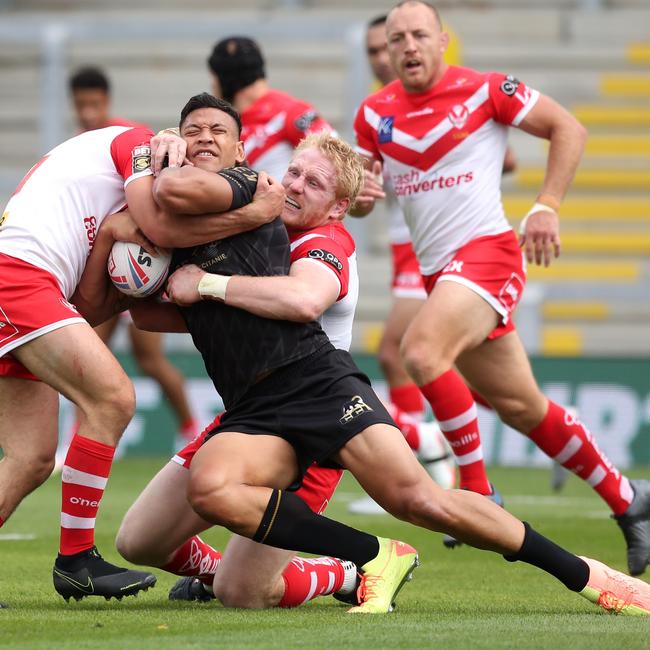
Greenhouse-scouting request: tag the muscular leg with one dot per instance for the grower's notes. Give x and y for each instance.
(149, 353)
(412, 495)
(500, 369)
(29, 412)
(160, 520)
(452, 320)
(403, 392)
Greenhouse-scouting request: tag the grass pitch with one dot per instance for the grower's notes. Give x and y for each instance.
(458, 599)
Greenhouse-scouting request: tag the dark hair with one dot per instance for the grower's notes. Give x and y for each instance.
(206, 100)
(89, 78)
(378, 20)
(237, 62)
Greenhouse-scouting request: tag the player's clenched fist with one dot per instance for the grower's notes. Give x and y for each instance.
(183, 285)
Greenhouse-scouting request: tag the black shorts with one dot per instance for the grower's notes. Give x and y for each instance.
(316, 404)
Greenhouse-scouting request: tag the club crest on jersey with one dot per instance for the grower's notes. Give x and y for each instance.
(326, 256)
(458, 116)
(509, 85)
(141, 158)
(385, 129)
(354, 408)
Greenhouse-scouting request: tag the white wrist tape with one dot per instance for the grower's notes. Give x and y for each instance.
(212, 286)
(172, 130)
(537, 207)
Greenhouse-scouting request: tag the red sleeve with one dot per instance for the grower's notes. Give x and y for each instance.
(327, 251)
(365, 135)
(131, 153)
(302, 119)
(511, 99)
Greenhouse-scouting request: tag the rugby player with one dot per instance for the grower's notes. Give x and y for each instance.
(448, 185)
(47, 231)
(292, 399)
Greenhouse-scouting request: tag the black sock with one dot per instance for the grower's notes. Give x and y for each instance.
(548, 556)
(289, 523)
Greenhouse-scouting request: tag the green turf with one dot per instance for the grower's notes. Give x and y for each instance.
(458, 599)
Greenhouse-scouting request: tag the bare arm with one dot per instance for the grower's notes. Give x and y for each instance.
(302, 296)
(95, 296)
(170, 230)
(540, 232)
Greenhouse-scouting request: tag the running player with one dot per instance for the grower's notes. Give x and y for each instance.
(47, 230)
(279, 381)
(441, 133)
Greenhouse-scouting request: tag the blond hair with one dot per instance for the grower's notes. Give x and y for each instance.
(347, 163)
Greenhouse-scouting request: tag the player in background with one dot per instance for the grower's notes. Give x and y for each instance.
(447, 182)
(273, 122)
(91, 97)
(47, 231)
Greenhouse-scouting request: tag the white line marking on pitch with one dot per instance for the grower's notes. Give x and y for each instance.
(16, 537)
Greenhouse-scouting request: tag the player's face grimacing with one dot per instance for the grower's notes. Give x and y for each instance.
(310, 184)
(416, 46)
(212, 140)
(377, 50)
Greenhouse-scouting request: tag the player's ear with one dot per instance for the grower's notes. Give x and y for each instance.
(340, 208)
(240, 154)
(444, 42)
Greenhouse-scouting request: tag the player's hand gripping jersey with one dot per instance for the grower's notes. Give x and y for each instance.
(444, 150)
(53, 217)
(273, 126)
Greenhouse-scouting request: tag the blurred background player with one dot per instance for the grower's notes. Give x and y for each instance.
(90, 91)
(470, 257)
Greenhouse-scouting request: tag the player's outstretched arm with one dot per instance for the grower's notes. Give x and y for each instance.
(540, 233)
(95, 296)
(301, 296)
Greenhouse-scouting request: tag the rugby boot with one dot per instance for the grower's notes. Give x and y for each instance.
(635, 524)
(190, 588)
(452, 542)
(88, 574)
(383, 577)
(559, 477)
(349, 591)
(616, 592)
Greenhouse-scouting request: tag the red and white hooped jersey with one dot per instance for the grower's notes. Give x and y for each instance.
(52, 219)
(444, 150)
(333, 247)
(272, 127)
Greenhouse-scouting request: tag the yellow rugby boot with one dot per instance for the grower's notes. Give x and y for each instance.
(383, 577)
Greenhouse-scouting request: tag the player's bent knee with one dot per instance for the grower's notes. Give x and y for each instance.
(215, 499)
(244, 596)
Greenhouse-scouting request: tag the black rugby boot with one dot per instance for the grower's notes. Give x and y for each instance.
(88, 574)
(635, 524)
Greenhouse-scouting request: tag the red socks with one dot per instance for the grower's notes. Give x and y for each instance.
(304, 579)
(564, 438)
(195, 558)
(455, 411)
(408, 398)
(83, 480)
(407, 425)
